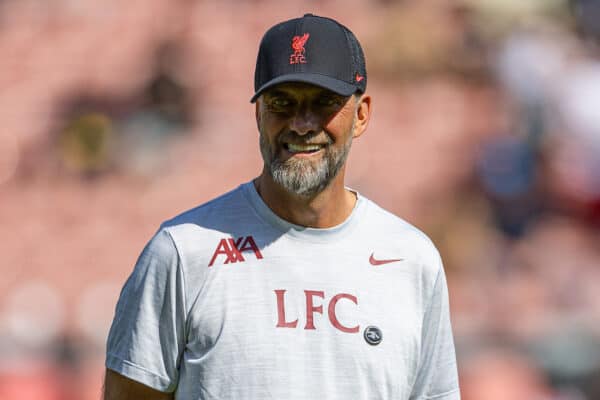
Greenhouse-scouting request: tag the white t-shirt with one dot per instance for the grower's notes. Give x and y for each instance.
(229, 301)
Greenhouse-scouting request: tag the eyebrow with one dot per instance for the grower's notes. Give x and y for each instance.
(277, 92)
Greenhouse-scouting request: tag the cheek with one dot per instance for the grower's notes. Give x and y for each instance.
(341, 124)
(273, 122)
(268, 128)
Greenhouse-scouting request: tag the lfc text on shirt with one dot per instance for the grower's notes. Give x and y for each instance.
(312, 309)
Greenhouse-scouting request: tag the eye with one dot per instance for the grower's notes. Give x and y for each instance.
(280, 102)
(329, 101)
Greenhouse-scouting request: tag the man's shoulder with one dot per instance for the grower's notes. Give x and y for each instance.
(195, 234)
(390, 228)
(392, 223)
(226, 206)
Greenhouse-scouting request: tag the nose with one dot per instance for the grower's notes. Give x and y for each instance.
(304, 121)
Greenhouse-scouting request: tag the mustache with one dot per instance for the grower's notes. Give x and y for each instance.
(309, 138)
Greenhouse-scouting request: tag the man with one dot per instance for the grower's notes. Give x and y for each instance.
(291, 286)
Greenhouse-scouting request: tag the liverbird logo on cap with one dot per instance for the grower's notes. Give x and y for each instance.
(298, 43)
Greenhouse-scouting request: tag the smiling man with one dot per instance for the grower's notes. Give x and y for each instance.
(305, 136)
(291, 286)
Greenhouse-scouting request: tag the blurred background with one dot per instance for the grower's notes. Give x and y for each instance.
(116, 115)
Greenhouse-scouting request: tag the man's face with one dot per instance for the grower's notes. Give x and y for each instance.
(305, 135)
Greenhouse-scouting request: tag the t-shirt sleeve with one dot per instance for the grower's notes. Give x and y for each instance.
(437, 377)
(146, 339)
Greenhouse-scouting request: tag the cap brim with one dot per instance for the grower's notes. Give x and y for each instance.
(335, 85)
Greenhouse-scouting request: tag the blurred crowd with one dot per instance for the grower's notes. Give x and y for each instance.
(115, 116)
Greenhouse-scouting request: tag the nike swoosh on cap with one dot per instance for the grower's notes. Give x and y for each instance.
(374, 261)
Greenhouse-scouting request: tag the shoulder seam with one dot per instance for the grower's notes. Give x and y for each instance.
(182, 270)
(201, 206)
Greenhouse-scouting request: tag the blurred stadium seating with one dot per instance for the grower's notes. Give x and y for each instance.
(115, 116)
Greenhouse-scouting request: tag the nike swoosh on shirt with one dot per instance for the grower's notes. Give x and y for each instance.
(374, 261)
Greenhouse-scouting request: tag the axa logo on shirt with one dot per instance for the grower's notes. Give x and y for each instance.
(230, 250)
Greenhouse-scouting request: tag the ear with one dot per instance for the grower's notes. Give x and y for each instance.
(257, 112)
(363, 115)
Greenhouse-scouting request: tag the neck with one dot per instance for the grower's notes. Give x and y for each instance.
(325, 209)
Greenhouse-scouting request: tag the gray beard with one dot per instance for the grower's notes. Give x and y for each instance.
(304, 177)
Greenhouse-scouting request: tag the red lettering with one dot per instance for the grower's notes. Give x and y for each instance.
(234, 254)
(238, 241)
(281, 323)
(228, 248)
(310, 308)
(333, 318)
(222, 248)
(250, 244)
(233, 249)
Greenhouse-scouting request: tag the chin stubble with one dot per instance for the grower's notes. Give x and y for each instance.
(304, 177)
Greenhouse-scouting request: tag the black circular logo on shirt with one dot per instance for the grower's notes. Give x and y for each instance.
(373, 335)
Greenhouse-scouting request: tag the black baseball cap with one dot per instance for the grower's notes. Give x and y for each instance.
(310, 49)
